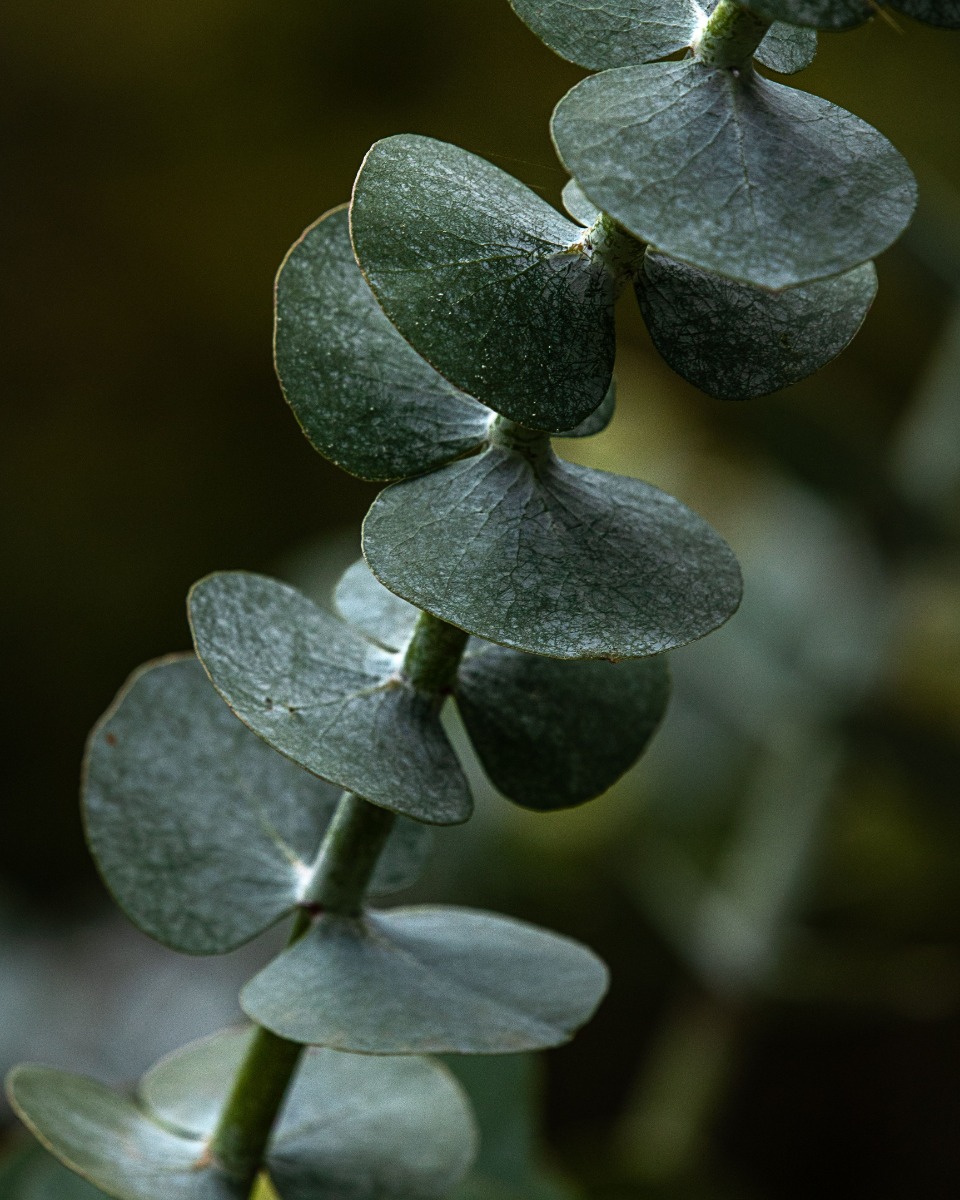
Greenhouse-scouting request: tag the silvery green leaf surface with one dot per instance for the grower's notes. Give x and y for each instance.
(34, 1174)
(372, 1128)
(485, 280)
(583, 211)
(428, 980)
(613, 34)
(321, 694)
(552, 558)
(735, 341)
(945, 13)
(111, 1142)
(363, 396)
(552, 734)
(374, 610)
(203, 833)
(598, 420)
(352, 1127)
(820, 14)
(621, 33)
(787, 48)
(733, 173)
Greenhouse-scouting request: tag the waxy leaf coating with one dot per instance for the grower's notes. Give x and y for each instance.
(363, 396)
(733, 173)
(620, 33)
(352, 1128)
(317, 691)
(552, 558)
(111, 1142)
(735, 341)
(486, 280)
(787, 48)
(204, 834)
(428, 980)
(552, 733)
(374, 610)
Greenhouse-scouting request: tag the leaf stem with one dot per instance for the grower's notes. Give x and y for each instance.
(620, 250)
(433, 654)
(731, 36)
(341, 874)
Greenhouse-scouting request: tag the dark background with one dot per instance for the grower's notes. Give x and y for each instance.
(159, 158)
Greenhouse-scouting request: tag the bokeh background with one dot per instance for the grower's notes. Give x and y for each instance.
(777, 886)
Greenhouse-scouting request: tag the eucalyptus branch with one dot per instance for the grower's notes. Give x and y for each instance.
(435, 339)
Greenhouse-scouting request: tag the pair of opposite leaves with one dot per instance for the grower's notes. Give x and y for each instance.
(750, 184)
(354, 1127)
(206, 836)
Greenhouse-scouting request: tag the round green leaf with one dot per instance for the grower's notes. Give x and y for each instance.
(552, 558)
(365, 1128)
(733, 173)
(352, 1127)
(551, 734)
(616, 33)
(787, 48)
(487, 281)
(583, 211)
(428, 980)
(363, 396)
(204, 834)
(620, 33)
(735, 341)
(598, 420)
(945, 13)
(111, 1142)
(820, 14)
(318, 692)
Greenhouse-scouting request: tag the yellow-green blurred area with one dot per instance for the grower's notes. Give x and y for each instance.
(777, 886)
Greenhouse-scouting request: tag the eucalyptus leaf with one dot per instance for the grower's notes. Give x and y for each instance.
(203, 833)
(583, 211)
(552, 734)
(820, 14)
(945, 13)
(787, 48)
(598, 420)
(616, 33)
(621, 33)
(735, 341)
(111, 1142)
(734, 173)
(318, 692)
(486, 280)
(552, 558)
(374, 610)
(365, 399)
(427, 980)
(352, 1127)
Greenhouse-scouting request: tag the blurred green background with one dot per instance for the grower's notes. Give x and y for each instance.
(776, 887)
